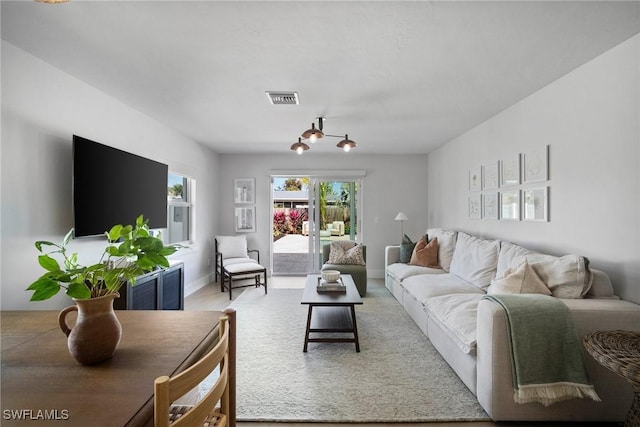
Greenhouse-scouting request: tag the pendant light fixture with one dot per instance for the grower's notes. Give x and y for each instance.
(313, 134)
(346, 144)
(299, 147)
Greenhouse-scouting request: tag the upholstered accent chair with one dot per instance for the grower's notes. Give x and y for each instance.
(233, 262)
(357, 271)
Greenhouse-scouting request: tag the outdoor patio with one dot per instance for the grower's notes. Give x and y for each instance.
(290, 253)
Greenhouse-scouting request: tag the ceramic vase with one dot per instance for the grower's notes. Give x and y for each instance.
(97, 331)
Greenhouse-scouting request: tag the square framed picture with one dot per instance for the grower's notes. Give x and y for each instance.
(510, 205)
(475, 178)
(490, 206)
(475, 206)
(535, 204)
(244, 190)
(245, 219)
(536, 165)
(510, 171)
(490, 177)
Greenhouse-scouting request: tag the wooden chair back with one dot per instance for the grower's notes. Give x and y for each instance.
(167, 390)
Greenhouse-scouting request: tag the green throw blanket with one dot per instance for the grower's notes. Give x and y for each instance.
(546, 355)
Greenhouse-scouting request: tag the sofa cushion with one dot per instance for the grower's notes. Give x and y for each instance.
(510, 256)
(433, 285)
(567, 276)
(425, 253)
(475, 259)
(456, 315)
(521, 280)
(406, 249)
(399, 271)
(446, 245)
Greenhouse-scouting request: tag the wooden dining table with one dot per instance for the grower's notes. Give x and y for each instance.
(41, 384)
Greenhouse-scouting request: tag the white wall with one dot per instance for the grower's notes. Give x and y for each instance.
(42, 107)
(590, 118)
(391, 184)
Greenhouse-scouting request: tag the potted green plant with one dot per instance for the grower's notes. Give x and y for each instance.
(130, 252)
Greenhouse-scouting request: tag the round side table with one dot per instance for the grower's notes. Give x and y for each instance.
(619, 351)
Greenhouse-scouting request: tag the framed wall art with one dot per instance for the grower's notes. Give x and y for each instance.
(536, 165)
(510, 205)
(245, 219)
(535, 204)
(510, 171)
(475, 179)
(475, 206)
(490, 206)
(244, 190)
(490, 177)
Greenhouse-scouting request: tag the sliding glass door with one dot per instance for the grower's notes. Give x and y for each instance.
(303, 226)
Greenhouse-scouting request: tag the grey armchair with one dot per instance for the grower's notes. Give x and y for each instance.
(357, 272)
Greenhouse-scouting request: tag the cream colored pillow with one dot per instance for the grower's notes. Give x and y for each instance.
(346, 252)
(524, 280)
(232, 246)
(425, 254)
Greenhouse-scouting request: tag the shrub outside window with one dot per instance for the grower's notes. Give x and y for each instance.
(180, 200)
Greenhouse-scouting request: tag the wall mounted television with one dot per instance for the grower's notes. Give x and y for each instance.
(111, 186)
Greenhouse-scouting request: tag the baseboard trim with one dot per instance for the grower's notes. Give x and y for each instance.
(200, 283)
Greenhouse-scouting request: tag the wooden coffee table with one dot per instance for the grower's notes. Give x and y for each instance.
(331, 312)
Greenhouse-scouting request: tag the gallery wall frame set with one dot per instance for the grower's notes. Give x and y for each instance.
(244, 195)
(511, 189)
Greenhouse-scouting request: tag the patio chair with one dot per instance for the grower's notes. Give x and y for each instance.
(233, 262)
(336, 228)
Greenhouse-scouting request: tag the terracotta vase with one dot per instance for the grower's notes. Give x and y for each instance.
(97, 331)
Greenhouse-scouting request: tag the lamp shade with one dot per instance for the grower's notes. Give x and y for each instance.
(312, 134)
(299, 147)
(346, 144)
(401, 216)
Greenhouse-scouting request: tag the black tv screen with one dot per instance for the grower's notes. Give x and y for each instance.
(111, 186)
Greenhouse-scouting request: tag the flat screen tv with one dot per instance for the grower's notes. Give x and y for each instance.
(111, 186)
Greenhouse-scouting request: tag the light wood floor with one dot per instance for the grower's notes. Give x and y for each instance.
(210, 298)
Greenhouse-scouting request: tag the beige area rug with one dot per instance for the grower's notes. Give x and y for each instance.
(397, 377)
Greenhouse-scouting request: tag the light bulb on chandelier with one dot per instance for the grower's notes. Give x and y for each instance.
(346, 144)
(314, 134)
(299, 147)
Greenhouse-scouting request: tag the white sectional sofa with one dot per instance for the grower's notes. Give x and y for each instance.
(471, 332)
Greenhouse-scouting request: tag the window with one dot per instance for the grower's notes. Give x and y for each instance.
(180, 198)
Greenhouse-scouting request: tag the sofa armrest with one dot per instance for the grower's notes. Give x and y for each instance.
(601, 286)
(391, 255)
(494, 377)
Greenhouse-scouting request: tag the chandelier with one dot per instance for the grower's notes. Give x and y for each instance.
(313, 134)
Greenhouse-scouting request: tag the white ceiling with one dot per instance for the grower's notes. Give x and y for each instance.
(398, 77)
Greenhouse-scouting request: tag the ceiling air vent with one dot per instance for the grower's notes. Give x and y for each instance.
(283, 98)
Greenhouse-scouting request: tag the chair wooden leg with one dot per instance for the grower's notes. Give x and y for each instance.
(265, 281)
(230, 286)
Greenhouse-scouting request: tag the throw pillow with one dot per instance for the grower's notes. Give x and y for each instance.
(339, 253)
(232, 246)
(406, 249)
(524, 280)
(425, 254)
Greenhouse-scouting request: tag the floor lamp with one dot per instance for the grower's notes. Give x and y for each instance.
(402, 217)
